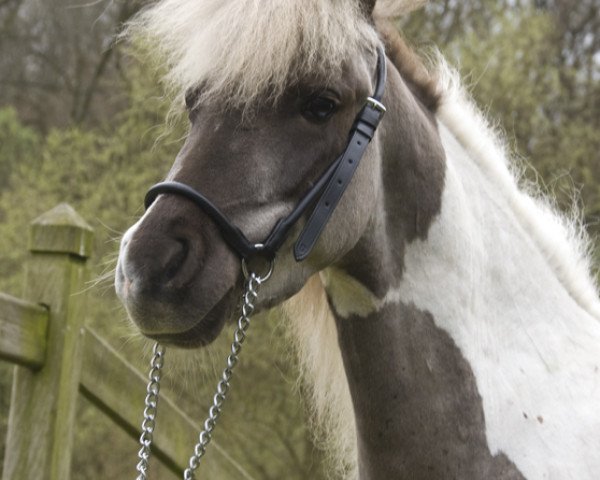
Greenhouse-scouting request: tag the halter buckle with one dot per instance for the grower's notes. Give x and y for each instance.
(376, 105)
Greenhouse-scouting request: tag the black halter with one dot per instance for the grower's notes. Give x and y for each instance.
(331, 185)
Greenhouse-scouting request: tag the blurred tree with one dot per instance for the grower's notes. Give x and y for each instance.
(18, 145)
(535, 69)
(58, 61)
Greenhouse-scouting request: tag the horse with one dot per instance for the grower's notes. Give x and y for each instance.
(445, 319)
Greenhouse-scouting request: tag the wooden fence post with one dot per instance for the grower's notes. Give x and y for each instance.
(42, 410)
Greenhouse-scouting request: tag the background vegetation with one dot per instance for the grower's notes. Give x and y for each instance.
(82, 121)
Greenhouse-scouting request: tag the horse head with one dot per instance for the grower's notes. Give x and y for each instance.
(255, 160)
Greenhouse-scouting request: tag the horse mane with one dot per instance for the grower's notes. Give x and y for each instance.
(312, 331)
(210, 45)
(422, 82)
(561, 237)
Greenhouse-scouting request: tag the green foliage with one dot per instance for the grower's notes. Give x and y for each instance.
(529, 93)
(19, 145)
(519, 64)
(104, 172)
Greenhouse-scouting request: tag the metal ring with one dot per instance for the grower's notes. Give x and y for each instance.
(259, 278)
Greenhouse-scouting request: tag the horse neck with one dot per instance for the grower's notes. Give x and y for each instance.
(446, 350)
(414, 396)
(499, 274)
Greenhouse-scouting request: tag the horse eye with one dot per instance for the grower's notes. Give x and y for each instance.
(319, 109)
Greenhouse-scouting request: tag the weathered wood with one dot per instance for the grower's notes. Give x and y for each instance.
(118, 389)
(41, 419)
(58, 357)
(61, 230)
(22, 332)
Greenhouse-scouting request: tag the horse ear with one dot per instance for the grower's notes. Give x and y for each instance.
(368, 6)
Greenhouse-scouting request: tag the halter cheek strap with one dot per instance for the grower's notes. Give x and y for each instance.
(330, 186)
(362, 133)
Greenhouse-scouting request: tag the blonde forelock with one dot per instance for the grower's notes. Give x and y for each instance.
(242, 51)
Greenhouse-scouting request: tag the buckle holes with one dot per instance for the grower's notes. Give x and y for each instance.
(327, 204)
(339, 181)
(350, 161)
(359, 142)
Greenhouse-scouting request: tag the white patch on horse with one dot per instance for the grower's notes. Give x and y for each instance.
(563, 241)
(529, 333)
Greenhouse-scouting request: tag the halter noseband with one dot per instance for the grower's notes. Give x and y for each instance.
(331, 185)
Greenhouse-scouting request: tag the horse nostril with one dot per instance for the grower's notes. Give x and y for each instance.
(161, 262)
(175, 256)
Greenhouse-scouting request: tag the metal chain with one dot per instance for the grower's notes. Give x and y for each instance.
(251, 287)
(151, 404)
(250, 295)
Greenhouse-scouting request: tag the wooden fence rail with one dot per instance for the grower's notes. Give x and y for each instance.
(23, 328)
(57, 357)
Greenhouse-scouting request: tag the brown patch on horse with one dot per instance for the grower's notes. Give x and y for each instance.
(420, 80)
(413, 177)
(419, 414)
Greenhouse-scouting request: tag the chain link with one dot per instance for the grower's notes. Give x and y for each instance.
(250, 295)
(150, 410)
